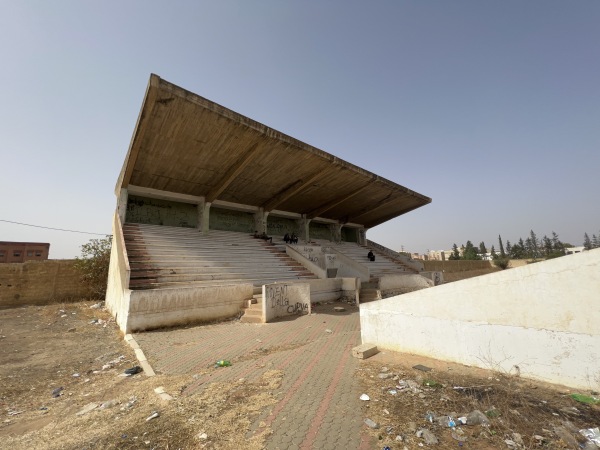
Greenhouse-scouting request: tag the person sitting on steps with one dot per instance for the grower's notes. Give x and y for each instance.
(371, 256)
(287, 238)
(264, 236)
(294, 239)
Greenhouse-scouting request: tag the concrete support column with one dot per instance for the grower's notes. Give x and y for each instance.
(203, 216)
(304, 225)
(336, 232)
(122, 204)
(362, 236)
(200, 214)
(260, 221)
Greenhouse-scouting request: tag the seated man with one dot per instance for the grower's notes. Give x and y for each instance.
(286, 238)
(294, 239)
(265, 237)
(371, 256)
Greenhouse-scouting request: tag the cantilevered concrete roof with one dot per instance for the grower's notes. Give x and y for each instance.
(186, 144)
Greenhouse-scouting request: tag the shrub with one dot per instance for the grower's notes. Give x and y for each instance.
(93, 265)
(502, 263)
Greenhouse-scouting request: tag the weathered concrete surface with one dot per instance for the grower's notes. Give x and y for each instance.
(285, 299)
(540, 320)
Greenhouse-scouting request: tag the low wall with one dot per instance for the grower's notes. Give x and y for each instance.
(401, 284)
(39, 283)
(542, 318)
(456, 266)
(332, 289)
(117, 289)
(285, 299)
(158, 308)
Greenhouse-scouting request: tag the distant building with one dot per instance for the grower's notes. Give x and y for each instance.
(17, 252)
(573, 250)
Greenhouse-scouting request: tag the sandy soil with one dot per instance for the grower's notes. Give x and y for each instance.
(43, 349)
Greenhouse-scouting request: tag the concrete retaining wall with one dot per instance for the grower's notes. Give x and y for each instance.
(542, 318)
(39, 283)
(158, 308)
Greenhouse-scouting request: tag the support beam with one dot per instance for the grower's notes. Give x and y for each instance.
(332, 204)
(336, 232)
(388, 200)
(233, 172)
(292, 190)
(204, 217)
(122, 205)
(260, 221)
(140, 129)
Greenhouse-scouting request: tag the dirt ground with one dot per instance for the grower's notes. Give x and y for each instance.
(64, 349)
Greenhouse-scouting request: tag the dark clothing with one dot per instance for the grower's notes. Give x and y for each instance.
(286, 238)
(371, 256)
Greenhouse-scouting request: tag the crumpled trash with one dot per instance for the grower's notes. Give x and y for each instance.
(592, 434)
(587, 399)
(428, 436)
(477, 418)
(154, 415)
(133, 370)
(222, 363)
(57, 392)
(365, 397)
(371, 424)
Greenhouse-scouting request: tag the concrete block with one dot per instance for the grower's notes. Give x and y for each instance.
(148, 370)
(364, 351)
(140, 355)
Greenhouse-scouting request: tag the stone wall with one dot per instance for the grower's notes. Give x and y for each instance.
(39, 283)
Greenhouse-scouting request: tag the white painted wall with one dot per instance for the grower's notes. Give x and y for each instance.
(543, 317)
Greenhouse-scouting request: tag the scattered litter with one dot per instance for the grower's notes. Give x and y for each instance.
(459, 436)
(97, 305)
(57, 392)
(43, 408)
(76, 375)
(109, 404)
(592, 435)
(339, 309)
(14, 413)
(154, 415)
(328, 331)
(129, 404)
(386, 412)
(428, 436)
(222, 363)
(133, 370)
(384, 369)
(393, 392)
(422, 368)
(587, 399)
(384, 376)
(566, 437)
(203, 436)
(87, 408)
(477, 418)
(365, 397)
(371, 424)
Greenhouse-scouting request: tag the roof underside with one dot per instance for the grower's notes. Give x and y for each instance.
(186, 144)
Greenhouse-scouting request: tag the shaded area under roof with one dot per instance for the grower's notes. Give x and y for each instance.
(186, 144)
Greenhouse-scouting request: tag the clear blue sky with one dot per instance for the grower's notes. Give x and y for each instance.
(492, 109)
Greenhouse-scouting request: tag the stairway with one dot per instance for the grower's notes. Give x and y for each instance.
(253, 310)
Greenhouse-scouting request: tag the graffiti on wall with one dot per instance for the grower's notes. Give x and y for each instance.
(277, 297)
(229, 220)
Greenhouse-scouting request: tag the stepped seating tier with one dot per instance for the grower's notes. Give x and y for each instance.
(383, 264)
(170, 257)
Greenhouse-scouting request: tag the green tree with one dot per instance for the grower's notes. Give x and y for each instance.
(508, 248)
(470, 252)
(455, 256)
(502, 253)
(595, 241)
(482, 249)
(547, 245)
(93, 265)
(587, 243)
(493, 253)
(533, 245)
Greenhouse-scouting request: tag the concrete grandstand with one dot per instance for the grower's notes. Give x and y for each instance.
(199, 181)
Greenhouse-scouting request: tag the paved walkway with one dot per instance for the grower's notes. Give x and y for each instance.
(320, 406)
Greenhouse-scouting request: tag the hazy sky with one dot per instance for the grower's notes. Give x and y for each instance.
(491, 108)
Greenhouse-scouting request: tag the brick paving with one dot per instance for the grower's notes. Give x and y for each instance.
(319, 405)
